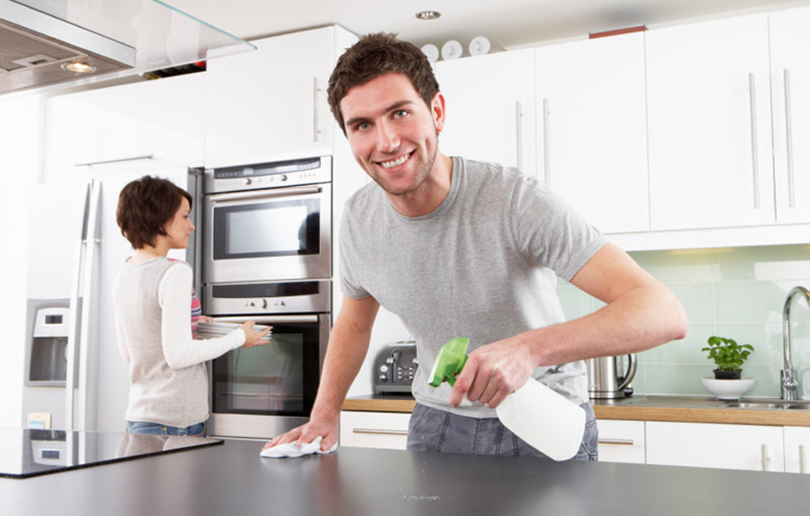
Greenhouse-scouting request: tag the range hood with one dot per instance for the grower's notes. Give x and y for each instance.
(49, 43)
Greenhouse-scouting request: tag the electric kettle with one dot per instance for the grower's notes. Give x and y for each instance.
(607, 378)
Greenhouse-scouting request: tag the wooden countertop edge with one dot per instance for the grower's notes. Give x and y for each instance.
(634, 413)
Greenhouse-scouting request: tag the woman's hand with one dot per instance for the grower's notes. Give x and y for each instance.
(254, 338)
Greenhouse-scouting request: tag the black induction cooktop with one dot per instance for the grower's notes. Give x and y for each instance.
(28, 452)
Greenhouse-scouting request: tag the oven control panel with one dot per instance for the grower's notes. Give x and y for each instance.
(276, 174)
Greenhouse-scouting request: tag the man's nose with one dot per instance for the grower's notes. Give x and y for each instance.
(388, 138)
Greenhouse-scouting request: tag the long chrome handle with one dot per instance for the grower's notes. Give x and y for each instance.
(754, 150)
(269, 319)
(117, 160)
(789, 139)
(315, 109)
(764, 456)
(621, 442)
(519, 133)
(546, 158)
(378, 432)
(224, 198)
(802, 459)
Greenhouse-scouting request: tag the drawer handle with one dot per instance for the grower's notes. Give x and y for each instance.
(119, 160)
(765, 458)
(754, 151)
(620, 442)
(789, 139)
(378, 432)
(802, 459)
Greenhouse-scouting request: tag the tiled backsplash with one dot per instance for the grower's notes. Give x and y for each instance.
(736, 293)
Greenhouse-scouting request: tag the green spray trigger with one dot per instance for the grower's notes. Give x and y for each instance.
(449, 362)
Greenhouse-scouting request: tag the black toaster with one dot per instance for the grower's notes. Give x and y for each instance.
(394, 368)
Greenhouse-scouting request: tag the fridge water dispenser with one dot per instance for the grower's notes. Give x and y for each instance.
(47, 361)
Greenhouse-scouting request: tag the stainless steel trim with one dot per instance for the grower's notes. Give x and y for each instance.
(754, 149)
(546, 144)
(519, 133)
(764, 455)
(789, 140)
(269, 319)
(225, 198)
(378, 432)
(621, 442)
(315, 110)
(117, 160)
(250, 426)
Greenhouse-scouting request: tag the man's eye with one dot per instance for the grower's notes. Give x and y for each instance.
(362, 126)
(400, 113)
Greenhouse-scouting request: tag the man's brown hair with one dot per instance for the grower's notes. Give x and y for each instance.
(375, 55)
(145, 206)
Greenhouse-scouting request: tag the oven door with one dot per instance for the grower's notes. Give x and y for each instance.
(263, 391)
(269, 234)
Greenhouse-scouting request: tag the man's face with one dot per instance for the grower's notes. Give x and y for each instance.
(391, 131)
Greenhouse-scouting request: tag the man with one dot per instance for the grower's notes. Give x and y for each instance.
(465, 249)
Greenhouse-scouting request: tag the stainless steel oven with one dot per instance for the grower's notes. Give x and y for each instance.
(264, 391)
(269, 221)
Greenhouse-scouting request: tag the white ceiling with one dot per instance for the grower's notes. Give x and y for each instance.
(507, 23)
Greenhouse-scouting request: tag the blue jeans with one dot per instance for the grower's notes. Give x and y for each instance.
(144, 428)
(439, 431)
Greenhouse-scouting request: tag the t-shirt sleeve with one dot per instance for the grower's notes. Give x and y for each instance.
(550, 233)
(179, 348)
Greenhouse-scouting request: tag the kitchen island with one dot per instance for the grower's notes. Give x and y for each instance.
(231, 479)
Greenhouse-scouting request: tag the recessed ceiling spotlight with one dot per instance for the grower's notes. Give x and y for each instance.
(79, 67)
(428, 15)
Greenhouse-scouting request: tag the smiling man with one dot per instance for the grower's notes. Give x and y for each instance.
(459, 248)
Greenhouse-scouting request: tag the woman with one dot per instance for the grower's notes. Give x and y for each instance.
(153, 296)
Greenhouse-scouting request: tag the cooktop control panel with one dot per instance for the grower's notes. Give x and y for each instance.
(395, 367)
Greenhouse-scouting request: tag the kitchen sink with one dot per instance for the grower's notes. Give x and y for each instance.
(771, 404)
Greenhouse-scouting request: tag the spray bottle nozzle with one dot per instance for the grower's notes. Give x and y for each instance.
(449, 362)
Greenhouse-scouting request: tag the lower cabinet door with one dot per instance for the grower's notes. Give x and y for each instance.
(797, 449)
(374, 429)
(715, 446)
(621, 441)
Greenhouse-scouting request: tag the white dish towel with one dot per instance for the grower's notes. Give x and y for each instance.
(281, 451)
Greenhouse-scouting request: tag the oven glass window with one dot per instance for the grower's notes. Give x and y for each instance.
(280, 378)
(281, 228)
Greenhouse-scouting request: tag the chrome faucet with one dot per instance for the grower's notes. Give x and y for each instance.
(789, 383)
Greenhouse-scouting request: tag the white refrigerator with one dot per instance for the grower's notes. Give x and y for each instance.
(75, 377)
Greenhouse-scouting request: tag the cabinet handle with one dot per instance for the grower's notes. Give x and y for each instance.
(546, 159)
(622, 442)
(118, 160)
(802, 459)
(519, 133)
(789, 138)
(764, 453)
(754, 150)
(315, 110)
(378, 432)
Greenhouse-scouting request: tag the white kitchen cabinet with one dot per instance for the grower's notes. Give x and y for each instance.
(374, 429)
(790, 91)
(490, 108)
(709, 125)
(141, 127)
(592, 133)
(715, 446)
(271, 103)
(621, 441)
(797, 449)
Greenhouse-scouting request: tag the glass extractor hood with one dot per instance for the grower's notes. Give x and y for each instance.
(42, 40)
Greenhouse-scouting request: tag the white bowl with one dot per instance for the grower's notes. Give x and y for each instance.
(727, 389)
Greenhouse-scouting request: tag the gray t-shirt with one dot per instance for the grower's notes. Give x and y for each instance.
(482, 265)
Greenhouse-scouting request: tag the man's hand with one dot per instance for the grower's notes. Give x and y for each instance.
(305, 434)
(493, 372)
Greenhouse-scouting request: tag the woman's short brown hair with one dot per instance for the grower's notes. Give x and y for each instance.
(375, 55)
(145, 206)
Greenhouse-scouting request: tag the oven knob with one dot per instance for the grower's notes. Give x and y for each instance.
(250, 303)
(279, 303)
(383, 378)
(282, 177)
(248, 181)
(264, 303)
(384, 368)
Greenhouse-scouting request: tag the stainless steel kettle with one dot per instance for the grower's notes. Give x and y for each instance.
(606, 377)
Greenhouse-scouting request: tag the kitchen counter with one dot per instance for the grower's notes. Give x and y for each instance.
(686, 409)
(233, 479)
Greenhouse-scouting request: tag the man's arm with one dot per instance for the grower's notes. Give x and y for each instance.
(640, 313)
(348, 345)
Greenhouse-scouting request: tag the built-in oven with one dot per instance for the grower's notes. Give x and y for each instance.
(263, 391)
(269, 220)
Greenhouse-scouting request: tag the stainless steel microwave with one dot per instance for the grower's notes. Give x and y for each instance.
(270, 221)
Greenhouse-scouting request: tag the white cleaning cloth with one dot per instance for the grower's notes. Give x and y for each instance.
(281, 451)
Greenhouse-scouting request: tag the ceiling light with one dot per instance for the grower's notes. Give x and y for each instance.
(428, 15)
(79, 67)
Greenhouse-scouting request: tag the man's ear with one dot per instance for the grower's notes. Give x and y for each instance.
(437, 111)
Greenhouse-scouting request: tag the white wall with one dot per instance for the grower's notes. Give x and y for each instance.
(20, 122)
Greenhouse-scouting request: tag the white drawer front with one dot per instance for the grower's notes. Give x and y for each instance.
(621, 441)
(374, 429)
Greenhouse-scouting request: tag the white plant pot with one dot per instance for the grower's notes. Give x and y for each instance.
(727, 389)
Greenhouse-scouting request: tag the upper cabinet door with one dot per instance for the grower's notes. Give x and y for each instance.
(592, 141)
(709, 122)
(270, 103)
(490, 108)
(790, 89)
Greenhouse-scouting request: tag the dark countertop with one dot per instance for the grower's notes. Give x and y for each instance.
(232, 479)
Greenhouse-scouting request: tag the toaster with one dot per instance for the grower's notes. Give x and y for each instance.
(394, 368)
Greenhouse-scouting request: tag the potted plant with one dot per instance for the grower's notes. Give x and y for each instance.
(728, 356)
